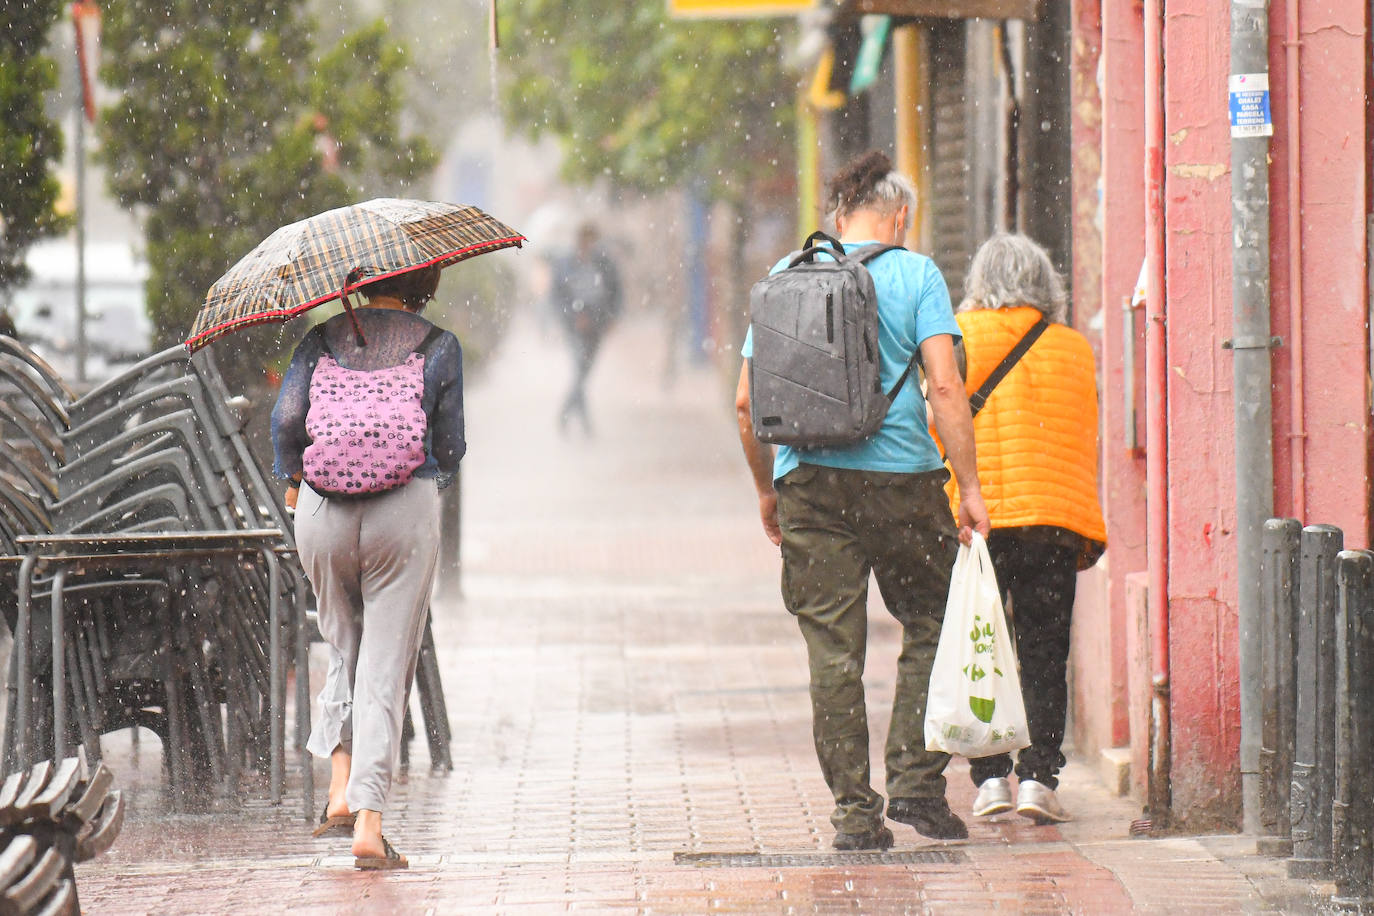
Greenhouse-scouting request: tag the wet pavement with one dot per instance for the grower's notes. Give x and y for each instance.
(630, 715)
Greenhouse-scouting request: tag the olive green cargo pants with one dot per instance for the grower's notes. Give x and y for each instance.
(837, 525)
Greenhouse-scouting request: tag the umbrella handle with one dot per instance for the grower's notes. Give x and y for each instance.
(348, 307)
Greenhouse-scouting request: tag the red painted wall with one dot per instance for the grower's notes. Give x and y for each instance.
(1201, 493)
(1202, 556)
(1109, 107)
(1098, 645)
(1333, 48)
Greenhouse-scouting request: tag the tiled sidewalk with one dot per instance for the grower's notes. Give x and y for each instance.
(626, 693)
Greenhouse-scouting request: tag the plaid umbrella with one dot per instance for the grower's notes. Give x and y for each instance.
(327, 256)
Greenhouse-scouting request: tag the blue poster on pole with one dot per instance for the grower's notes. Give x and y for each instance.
(1249, 105)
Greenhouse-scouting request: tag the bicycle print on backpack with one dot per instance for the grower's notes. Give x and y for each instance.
(367, 427)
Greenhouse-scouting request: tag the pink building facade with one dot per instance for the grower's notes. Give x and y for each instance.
(1320, 231)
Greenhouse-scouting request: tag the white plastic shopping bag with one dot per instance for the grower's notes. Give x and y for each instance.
(974, 708)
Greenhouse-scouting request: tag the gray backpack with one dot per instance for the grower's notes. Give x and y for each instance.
(814, 374)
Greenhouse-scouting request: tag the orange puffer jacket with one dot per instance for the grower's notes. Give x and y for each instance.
(1037, 434)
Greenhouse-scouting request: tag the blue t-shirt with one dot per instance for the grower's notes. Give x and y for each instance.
(913, 304)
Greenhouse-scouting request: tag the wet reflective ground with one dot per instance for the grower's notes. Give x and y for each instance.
(625, 688)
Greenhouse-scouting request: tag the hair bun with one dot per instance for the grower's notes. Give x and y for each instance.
(852, 185)
(871, 167)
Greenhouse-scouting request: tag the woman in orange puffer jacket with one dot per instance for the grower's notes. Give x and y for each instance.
(1037, 460)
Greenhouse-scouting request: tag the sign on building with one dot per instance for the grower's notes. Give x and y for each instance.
(1249, 105)
(951, 9)
(738, 9)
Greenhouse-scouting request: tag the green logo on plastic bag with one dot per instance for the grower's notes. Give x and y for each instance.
(983, 636)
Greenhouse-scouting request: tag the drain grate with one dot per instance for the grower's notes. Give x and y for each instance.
(818, 859)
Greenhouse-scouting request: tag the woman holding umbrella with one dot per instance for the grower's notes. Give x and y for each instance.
(369, 543)
(370, 416)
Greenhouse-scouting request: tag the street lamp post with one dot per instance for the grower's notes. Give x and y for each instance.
(86, 19)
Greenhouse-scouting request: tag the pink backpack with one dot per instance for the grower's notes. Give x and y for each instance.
(366, 427)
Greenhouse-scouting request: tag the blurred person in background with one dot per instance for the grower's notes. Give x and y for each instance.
(1037, 462)
(586, 291)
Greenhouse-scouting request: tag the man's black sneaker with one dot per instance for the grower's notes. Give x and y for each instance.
(878, 839)
(930, 816)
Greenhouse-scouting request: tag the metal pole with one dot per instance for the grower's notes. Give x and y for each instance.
(910, 121)
(1156, 419)
(80, 233)
(1253, 407)
(1280, 582)
(1314, 756)
(451, 539)
(1352, 810)
(698, 291)
(1297, 410)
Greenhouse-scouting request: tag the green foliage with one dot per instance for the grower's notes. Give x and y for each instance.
(224, 129)
(445, 77)
(647, 101)
(29, 142)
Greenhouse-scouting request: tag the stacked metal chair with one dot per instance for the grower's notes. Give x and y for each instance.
(51, 817)
(193, 646)
(33, 415)
(33, 403)
(177, 643)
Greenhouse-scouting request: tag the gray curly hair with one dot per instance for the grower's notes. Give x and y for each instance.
(1010, 270)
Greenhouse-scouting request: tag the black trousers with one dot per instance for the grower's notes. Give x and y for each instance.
(584, 347)
(1040, 578)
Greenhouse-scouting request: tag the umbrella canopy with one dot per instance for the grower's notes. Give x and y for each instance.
(328, 255)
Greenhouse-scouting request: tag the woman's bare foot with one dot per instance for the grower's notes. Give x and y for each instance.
(340, 766)
(367, 835)
(336, 818)
(371, 851)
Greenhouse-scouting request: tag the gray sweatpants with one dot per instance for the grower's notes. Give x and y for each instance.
(372, 563)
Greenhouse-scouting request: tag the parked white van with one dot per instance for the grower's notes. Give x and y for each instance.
(118, 331)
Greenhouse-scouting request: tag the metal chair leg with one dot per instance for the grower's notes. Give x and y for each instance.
(17, 725)
(59, 666)
(303, 702)
(277, 680)
(433, 708)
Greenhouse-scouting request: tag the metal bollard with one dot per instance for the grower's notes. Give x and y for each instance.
(1352, 810)
(1314, 761)
(1279, 611)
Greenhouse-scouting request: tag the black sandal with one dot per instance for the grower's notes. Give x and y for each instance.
(392, 859)
(339, 823)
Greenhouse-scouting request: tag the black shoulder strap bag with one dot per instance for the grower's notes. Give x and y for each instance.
(980, 397)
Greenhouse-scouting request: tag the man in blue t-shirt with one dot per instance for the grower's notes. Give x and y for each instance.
(879, 505)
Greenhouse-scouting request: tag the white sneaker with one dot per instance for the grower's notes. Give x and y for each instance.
(994, 797)
(1038, 802)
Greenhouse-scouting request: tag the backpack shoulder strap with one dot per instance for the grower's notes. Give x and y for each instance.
(911, 364)
(980, 397)
(430, 339)
(863, 256)
(318, 331)
(869, 252)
